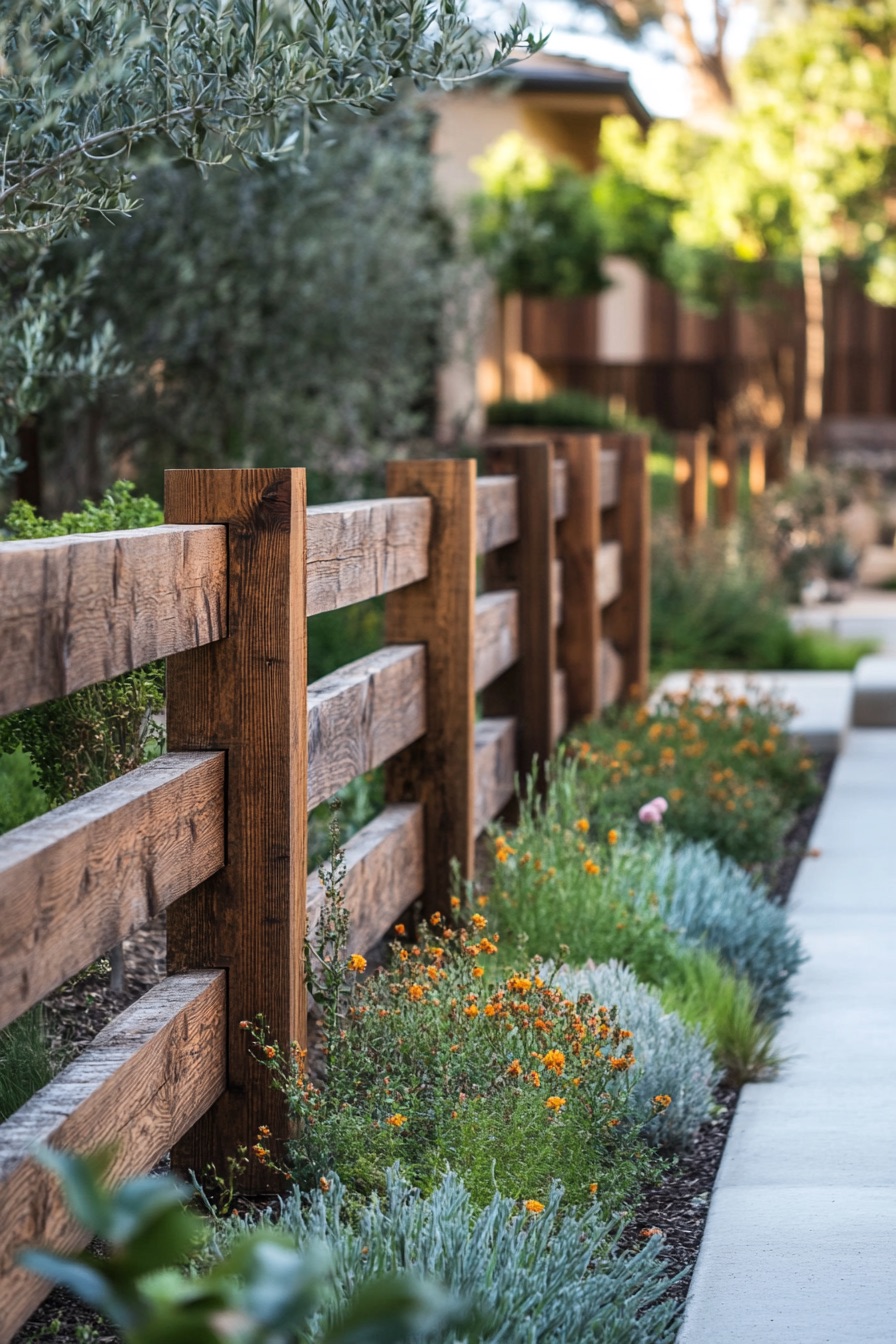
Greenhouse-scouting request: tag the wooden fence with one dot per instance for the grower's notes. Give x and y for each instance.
(215, 830)
(713, 458)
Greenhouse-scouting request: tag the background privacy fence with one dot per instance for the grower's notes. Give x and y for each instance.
(215, 830)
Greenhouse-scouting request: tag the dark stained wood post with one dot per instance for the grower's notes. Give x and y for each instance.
(692, 475)
(578, 546)
(526, 690)
(727, 457)
(246, 695)
(439, 611)
(626, 622)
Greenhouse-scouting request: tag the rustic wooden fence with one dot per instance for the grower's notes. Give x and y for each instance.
(713, 458)
(215, 830)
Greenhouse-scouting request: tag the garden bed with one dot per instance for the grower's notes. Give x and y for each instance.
(677, 1205)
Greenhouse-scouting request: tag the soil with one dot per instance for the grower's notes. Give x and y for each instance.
(677, 1207)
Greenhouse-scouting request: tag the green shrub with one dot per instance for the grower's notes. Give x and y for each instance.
(726, 764)
(820, 651)
(436, 1061)
(713, 903)
(528, 1276)
(21, 798)
(673, 1059)
(26, 1062)
(570, 409)
(706, 994)
(261, 1290)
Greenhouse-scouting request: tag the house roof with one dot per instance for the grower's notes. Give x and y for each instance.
(544, 74)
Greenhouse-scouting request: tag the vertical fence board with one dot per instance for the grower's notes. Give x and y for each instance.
(246, 695)
(757, 464)
(527, 689)
(578, 546)
(726, 491)
(626, 622)
(439, 612)
(692, 474)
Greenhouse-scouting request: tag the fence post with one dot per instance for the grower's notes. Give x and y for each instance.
(692, 475)
(246, 695)
(527, 689)
(578, 546)
(726, 486)
(626, 621)
(439, 611)
(757, 464)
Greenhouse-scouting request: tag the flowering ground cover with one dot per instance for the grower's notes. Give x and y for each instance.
(502, 1105)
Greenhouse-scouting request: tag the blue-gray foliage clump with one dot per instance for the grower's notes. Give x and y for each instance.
(673, 1058)
(712, 901)
(531, 1278)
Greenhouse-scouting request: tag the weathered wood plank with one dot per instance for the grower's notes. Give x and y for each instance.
(362, 714)
(608, 572)
(384, 874)
(578, 545)
(437, 771)
(77, 881)
(627, 620)
(559, 488)
(364, 548)
(497, 635)
(609, 477)
(497, 513)
(246, 695)
(143, 1082)
(76, 610)
(526, 689)
(561, 721)
(495, 767)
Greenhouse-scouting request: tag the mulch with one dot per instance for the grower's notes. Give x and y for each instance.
(677, 1207)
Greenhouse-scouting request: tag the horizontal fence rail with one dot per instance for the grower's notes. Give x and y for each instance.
(80, 609)
(364, 549)
(215, 831)
(87, 875)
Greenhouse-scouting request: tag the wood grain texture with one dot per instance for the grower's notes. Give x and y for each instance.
(495, 766)
(362, 714)
(246, 696)
(526, 689)
(561, 711)
(497, 635)
(692, 475)
(578, 546)
(76, 610)
(560, 489)
(497, 513)
(626, 622)
(141, 1084)
(77, 881)
(608, 576)
(440, 612)
(364, 548)
(384, 874)
(609, 475)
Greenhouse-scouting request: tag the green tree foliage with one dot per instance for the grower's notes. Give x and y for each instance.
(534, 222)
(288, 314)
(90, 87)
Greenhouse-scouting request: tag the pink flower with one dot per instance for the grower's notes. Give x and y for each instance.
(652, 813)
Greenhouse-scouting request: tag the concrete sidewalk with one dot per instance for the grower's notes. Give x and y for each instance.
(800, 1242)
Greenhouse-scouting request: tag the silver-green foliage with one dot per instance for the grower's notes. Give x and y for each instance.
(713, 902)
(673, 1059)
(530, 1278)
(85, 81)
